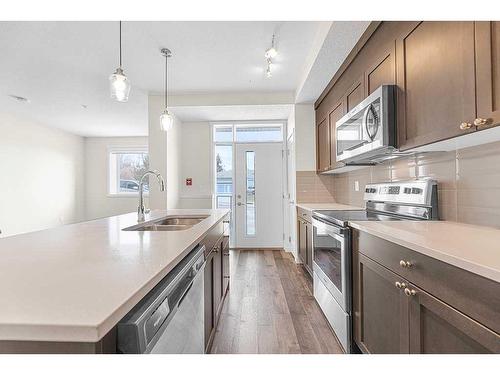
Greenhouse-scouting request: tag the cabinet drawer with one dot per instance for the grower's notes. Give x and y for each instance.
(469, 293)
(304, 214)
(212, 238)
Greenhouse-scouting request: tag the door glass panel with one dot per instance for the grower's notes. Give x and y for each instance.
(328, 256)
(250, 193)
(224, 175)
(259, 133)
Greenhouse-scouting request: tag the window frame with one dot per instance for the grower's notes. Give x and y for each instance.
(140, 149)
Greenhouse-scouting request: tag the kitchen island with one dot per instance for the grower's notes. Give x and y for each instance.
(69, 286)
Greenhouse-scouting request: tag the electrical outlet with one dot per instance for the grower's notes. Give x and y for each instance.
(356, 185)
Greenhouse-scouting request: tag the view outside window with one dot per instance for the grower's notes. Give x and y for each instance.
(259, 133)
(224, 172)
(126, 170)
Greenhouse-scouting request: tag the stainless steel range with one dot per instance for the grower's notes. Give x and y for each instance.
(407, 200)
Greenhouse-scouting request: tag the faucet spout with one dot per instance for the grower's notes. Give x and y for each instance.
(141, 210)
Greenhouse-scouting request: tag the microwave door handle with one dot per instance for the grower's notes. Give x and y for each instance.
(364, 125)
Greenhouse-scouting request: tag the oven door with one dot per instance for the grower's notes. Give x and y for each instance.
(331, 260)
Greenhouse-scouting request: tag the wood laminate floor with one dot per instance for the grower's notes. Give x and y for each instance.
(270, 308)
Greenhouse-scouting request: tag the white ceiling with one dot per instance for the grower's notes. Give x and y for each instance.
(61, 66)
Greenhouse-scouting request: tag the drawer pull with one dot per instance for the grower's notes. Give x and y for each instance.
(482, 121)
(465, 126)
(400, 285)
(409, 292)
(405, 264)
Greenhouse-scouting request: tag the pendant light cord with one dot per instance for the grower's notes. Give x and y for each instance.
(120, 44)
(166, 80)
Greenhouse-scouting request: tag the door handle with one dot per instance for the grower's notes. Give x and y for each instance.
(241, 204)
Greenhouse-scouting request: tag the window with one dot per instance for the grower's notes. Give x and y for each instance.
(126, 167)
(259, 133)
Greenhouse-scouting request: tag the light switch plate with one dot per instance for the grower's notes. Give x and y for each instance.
(356, 185)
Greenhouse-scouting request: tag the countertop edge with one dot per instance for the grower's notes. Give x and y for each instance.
(473, 267)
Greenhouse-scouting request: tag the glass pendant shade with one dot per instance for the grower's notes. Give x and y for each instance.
(119, 85)
(166, 121)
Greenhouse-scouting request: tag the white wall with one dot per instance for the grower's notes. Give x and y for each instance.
(97, 201)
(196, 163)
(41, 179)
(305, 138)
(164, 155)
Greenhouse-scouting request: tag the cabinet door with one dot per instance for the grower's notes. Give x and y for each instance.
(323, 146)
(309, 248)
(380, 309)
(302, 242)
(436, 81)
(335, 115)
(217, 277)
(209, 300)
(355, 94)
(382, 70)
(226, 274)
(436, 327)
(488, 73)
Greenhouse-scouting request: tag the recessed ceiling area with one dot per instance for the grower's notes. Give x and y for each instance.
(62, 68)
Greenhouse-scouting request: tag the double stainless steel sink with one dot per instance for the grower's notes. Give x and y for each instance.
(169, 223)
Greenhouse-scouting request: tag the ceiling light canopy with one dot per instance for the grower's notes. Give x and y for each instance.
(119, 84)
(166, 118)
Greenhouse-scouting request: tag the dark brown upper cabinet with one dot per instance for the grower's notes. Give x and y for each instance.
(487, 74)
(355, 94)
(335, 115)
(323, 146)
(382, 71)
(436, 81)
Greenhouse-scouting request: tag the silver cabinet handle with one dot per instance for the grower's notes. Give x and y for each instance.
(405, 264)
(410, 292)
(400, 285)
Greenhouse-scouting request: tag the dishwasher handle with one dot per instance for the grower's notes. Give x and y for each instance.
(185, 294)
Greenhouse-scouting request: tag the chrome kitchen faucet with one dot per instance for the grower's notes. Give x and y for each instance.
(141, 210)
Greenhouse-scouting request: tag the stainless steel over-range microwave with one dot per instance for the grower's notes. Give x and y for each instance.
(367, 133)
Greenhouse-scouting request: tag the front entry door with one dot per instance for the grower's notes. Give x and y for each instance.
(258, 195)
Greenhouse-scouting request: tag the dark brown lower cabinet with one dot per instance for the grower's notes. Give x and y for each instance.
(392, 315)
(380, 310)
(216, 284)
(225, 266)
(305, 243)
(438, 328)
(209, 309)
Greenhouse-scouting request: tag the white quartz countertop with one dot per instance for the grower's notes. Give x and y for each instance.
(327, 206)
(75, 282)
(472, 248)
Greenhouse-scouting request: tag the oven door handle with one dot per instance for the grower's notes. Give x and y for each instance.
(328, 227)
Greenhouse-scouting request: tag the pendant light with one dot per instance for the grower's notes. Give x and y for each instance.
(119, 84)
(166, 118)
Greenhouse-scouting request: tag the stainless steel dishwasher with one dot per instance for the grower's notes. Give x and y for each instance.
(170, 319)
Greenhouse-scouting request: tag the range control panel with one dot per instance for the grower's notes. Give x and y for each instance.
(410, 192)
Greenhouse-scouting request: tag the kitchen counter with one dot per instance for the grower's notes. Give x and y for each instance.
(469, 247)
(327, 206)
(75, 282)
